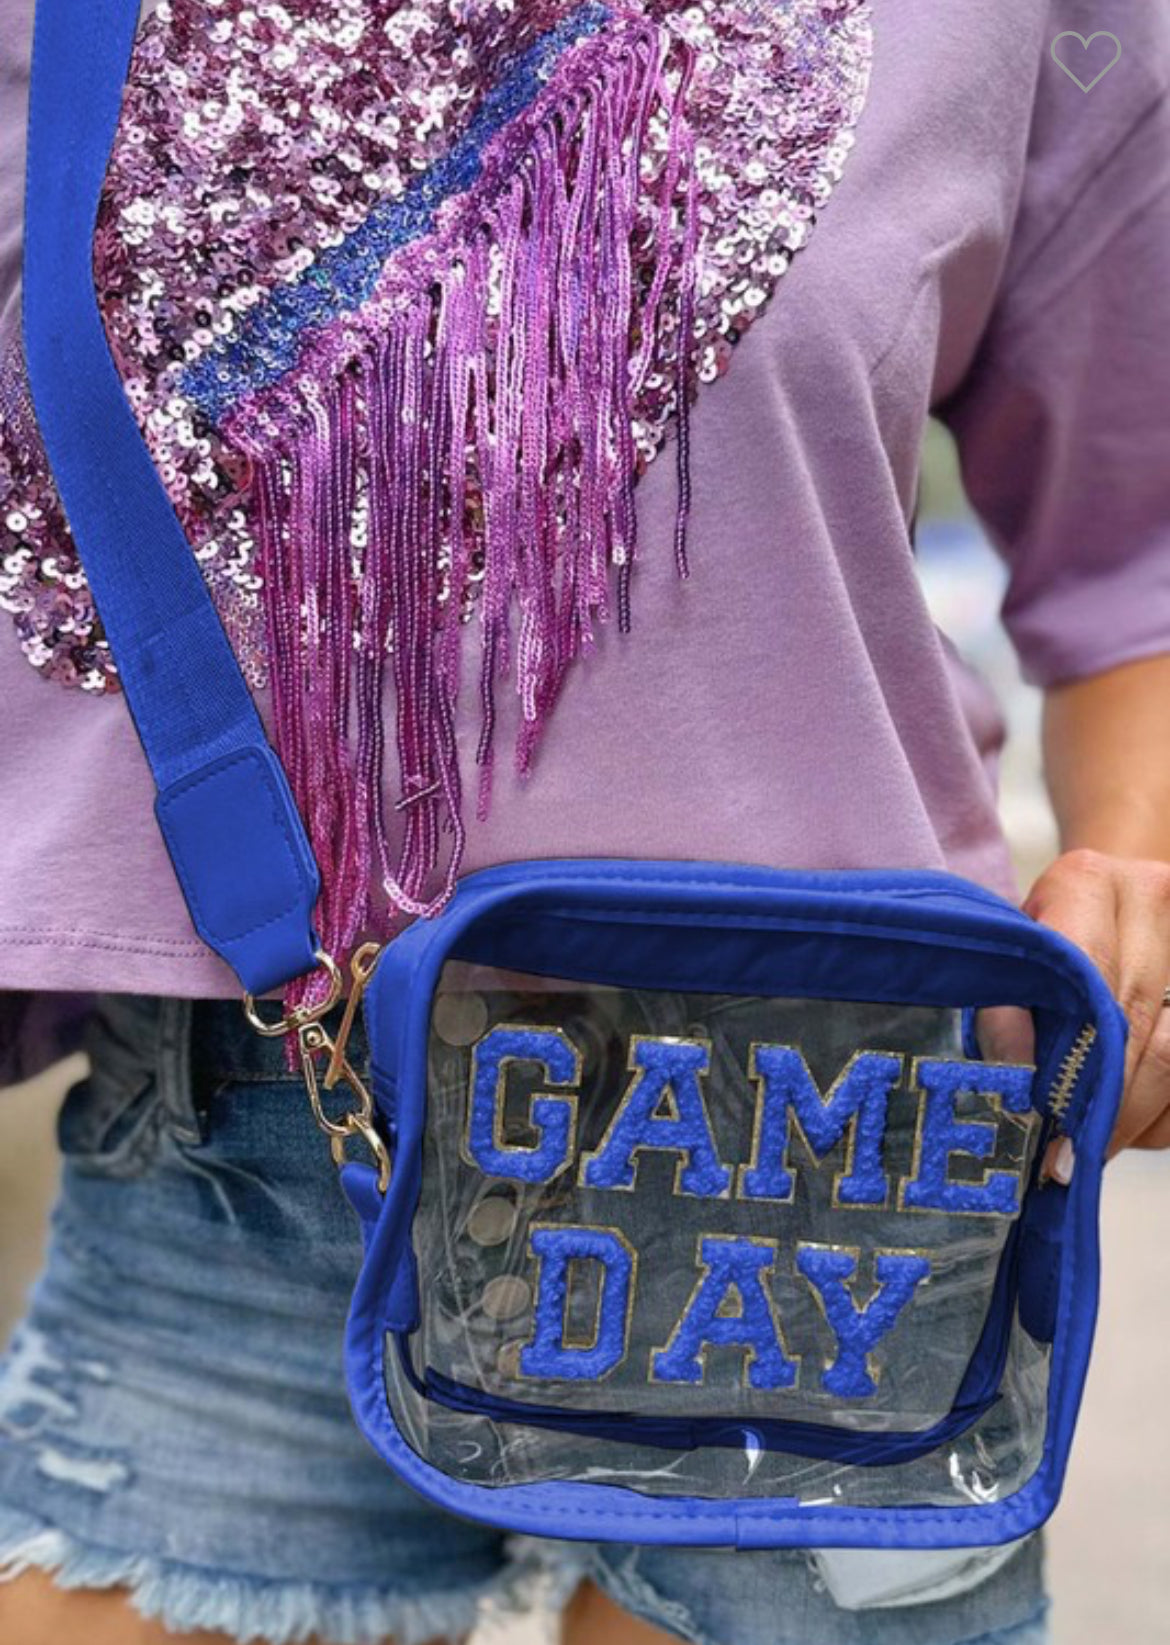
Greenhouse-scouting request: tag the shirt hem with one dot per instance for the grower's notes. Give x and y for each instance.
(88, 962)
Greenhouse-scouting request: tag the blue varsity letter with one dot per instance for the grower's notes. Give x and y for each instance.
(734, 1271)
(554, 1118)
(787, 1091)
(858, 1330)
(556, 1249)
(940, 1135)
(667, 1074)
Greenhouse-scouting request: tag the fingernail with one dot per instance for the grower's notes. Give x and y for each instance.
(1063, 1161)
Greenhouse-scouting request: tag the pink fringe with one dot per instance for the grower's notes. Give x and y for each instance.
(476, 430)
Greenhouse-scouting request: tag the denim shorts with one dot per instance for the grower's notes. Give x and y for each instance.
(172, 1410)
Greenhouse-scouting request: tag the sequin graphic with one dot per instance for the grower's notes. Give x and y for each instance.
(343, 277)
(405, 298)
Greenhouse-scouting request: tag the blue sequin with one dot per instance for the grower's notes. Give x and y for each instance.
(344, 276)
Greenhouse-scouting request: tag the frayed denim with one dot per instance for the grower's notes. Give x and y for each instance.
(173, 1420)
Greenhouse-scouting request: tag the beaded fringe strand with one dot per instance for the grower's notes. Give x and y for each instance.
(478, 444)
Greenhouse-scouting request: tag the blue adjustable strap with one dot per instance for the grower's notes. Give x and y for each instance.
(224, 804)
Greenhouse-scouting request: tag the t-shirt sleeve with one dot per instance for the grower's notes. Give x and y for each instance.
(1063, 421)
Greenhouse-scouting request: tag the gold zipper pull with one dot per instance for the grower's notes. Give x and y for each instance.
(361, 969)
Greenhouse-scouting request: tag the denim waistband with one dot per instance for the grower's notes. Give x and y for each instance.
(225, 1046)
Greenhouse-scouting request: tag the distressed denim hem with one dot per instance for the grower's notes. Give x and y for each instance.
(634, 1593)
(627, 1587)
(552, 1570)
(185, 1598)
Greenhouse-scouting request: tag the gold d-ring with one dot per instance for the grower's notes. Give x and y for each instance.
(301, 1015)
(359, 1126)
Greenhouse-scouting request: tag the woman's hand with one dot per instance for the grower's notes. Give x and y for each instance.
(1118, 910)
(1107, 760)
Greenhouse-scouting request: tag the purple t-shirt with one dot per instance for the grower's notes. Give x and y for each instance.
(998, 250)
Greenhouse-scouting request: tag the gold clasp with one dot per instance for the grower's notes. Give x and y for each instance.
(294, 1020)
(315, 1042)
(361, 969)
(357, 1121)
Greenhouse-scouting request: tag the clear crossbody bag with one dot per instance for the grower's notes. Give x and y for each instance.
(705, 1200)
(710, 1221)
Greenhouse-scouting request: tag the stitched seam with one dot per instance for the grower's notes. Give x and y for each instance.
(187, 785)
(1013, 324)
(43, 938)
(927, 935)
(864, 924)
(903, 886)
(846, 921)
(1102, 168)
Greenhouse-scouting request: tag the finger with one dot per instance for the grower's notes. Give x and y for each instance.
(1006, 1033)
(1123, 922)
(1144, 941)
(1144, 1120)
(1058, 1162)
(1077, 896)
(1144, 968)
(1158, 1135)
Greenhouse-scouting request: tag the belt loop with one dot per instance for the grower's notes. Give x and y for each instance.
(174, 1070)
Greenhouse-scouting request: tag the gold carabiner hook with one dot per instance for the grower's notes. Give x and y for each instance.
(314, 1041)
(357, 1126)
(354, 1122)
(361, 969)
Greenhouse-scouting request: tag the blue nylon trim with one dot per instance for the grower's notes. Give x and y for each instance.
(253, 901)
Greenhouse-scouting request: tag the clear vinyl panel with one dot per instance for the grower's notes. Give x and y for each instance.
(720, 1245)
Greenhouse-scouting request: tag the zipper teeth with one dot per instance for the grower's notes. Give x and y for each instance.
(1070, 1071)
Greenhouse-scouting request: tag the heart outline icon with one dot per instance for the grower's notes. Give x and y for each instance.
(1101, 34)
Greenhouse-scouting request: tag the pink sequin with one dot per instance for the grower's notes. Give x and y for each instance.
(461, 439)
